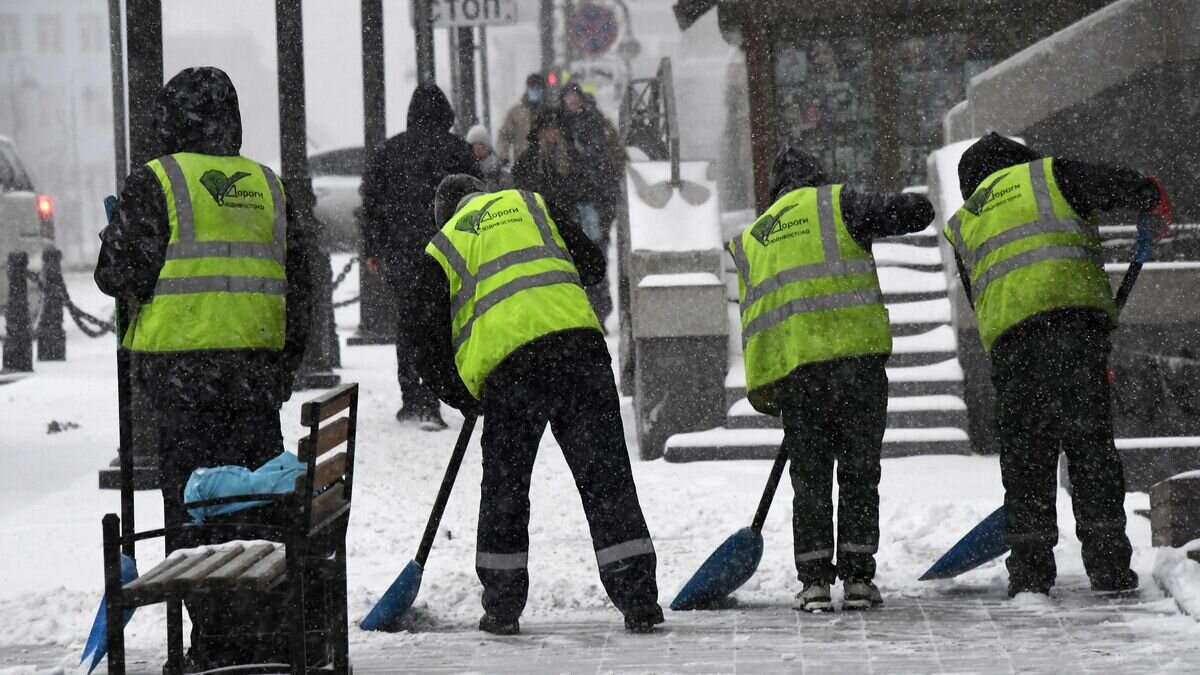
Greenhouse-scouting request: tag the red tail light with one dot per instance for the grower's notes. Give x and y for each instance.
(45, 207)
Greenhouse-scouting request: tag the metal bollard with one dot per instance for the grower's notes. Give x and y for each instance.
(18, 345)
(316, 369)
(51, 338)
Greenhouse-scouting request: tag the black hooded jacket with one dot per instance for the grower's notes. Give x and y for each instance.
(197, 111)
(402, 176)
(867, 216)
(1088, 188)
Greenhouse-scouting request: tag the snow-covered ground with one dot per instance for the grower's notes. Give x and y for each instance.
(50, 570)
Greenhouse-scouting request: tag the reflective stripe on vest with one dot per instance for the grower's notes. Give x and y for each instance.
(995, 239)
(824, 288)
(223, 283)
(475, 296)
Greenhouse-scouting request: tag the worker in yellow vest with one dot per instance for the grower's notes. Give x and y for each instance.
(1030, 260)
(815, 336)
(510, 334)
(207, 249)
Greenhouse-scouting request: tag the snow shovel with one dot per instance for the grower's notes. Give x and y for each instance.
(985, 542)
(97, 642)
(735, 560)
(403, 591)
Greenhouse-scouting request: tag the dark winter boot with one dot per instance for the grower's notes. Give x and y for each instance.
(406, 414)
(496, 626)
(431, 421)
(644, 620)
(1117, 584)
(861, 594)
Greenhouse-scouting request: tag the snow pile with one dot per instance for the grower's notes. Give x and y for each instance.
(1179, 576)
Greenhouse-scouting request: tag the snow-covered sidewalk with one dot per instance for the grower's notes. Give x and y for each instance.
(50, 575)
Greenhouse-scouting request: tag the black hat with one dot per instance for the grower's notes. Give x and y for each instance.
(793, 169)
(450, 193)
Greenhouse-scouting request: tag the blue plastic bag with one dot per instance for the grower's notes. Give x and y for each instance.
(277, 476)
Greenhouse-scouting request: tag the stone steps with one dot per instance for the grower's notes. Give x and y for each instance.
(726, 444)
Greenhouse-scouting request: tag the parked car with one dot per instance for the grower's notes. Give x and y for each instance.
(26, 220)
(336, 176)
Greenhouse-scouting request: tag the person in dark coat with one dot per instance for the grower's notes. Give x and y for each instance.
(1050, 372)
(398, 187)
(562, 377)
(596, 145)
(821, 367)
(210, 406)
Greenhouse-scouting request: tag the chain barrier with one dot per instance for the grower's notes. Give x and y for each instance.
(342, 276)
(94, 327)
(89, 324)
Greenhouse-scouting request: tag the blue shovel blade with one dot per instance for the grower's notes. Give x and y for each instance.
(730, 566)
(984, 543)
(97, 642)
(396, 601)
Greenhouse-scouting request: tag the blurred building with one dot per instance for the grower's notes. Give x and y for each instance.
(864, 85)
(55, 103)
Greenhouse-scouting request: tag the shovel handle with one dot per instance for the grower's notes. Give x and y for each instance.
(443, 496)
(764, 504)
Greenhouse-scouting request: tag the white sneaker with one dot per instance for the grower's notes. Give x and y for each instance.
(814, 598)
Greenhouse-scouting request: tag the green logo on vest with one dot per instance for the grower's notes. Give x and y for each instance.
(471, 221)
(764, 226)
(976, 202)
(221, 186)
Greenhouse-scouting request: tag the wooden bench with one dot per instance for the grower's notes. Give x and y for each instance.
(304, 540)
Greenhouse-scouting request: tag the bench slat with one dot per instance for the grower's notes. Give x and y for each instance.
(327, 503)
(233, 568)
(263, 572)
(327, 405)
(329, 471)
(330, 436)
(198, 573)
(164, 572)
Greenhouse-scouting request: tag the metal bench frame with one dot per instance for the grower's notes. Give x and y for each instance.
(313, 534)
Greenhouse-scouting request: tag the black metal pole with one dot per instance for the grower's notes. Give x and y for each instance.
(18, 344)
(116, 52)
(293, 159)
(546, 32)
(423, 26)
(466, 78)
(51, 338)
(485, 88)
(376, 315)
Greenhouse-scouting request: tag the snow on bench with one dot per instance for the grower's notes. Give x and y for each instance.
(720, 437)
(887, 253)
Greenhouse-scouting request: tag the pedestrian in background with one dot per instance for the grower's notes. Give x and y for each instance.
(526, 353)
(211, 254)
(492, 169)
(512, 139)
(596, 146)
(816, 337)
(1031, 262)
(398, 189)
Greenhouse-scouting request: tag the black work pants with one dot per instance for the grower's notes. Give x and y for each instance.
(835, 411)
(576, 394)
(240, 630)
(1052, 395)
(417, 398)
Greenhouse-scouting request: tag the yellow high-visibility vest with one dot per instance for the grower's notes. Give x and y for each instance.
(1026, 250)
(511, 278)
(808, 292)
(223, 285)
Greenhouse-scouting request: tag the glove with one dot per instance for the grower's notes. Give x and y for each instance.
(1157, 228)
(373, 265)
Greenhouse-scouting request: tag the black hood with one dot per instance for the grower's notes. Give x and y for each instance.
(987, 156)
(429, 110)
(794, 169)
(197, 111)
